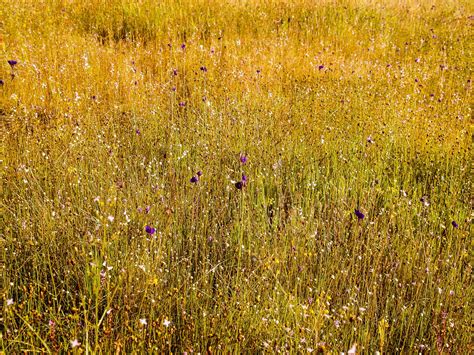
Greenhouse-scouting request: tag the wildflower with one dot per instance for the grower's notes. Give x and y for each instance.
(199, 173)
(182, 104)
(359, 214)
(143, 321)
(137, 131)
(12, 63)
(239, 185)
(244, 179)
(1, 82)
(183, 46)
(454, 224)
(352, 350)
(111, 218)
(74, 343)
(10, 302)
(417, 60)
(258, 71)
(243, 158)
(166, 323)
(175, 72)
(194, 179)
(203, 69)
(150, 230)
(424, 199)
(51, 323)
(147, 209)
(370, 140)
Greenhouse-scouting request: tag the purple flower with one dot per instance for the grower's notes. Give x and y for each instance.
(258, 71)
(1, 82)
(239, 185)
(243, 158)
(321, 67)
(203, 68)
(244, 179)
(359, 214)
(12, 63)
(194, 179)
(150, 230)
(183, 46)
(137, 131)
(182, 104)
(147, 209)
(455, 225)
(175, 72)
(173, 88)
(199, 173)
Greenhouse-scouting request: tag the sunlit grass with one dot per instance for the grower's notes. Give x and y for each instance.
(114, 106)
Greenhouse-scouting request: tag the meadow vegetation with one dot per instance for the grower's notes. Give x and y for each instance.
(295, 114)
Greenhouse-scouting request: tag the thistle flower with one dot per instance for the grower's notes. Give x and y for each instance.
(194, 179)
(454, 224)
(12, 63)
(182, 104)
(359, 214)
(150, 230)
(199, 173)
(243, 158)
(203, 69)
(183, 46)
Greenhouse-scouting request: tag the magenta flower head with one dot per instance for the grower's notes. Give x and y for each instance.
(194, 179)
(183, 46)
(359, 214)
(199, 173)
(150, 230)
(182, 104)
(175, 72)
(203, 69)
(12, 63)
(244, 179)
(243, 158)
(239, 185)
(454, 224)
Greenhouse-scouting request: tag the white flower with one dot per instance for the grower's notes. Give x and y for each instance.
(143, 321)
(110, 218)
(352, 350)
(166, 323)
(74, 343)
(10, 302)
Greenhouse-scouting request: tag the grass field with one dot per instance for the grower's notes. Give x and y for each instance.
(229, 176)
